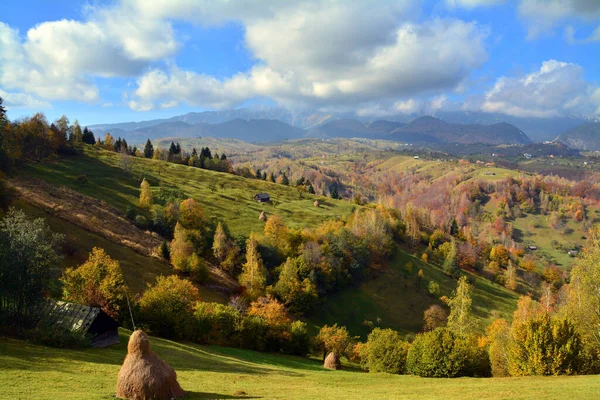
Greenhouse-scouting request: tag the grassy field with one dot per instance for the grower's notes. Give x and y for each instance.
(397, 300)
(115, 179)
(34, 372)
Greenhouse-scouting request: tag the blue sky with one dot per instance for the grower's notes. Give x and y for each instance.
(127, 60)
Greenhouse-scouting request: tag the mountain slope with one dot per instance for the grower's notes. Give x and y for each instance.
(583, 137)
(430, 129)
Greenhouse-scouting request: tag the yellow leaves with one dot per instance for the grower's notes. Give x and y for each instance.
(145, 195)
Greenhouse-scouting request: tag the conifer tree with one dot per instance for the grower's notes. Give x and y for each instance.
(148, 149)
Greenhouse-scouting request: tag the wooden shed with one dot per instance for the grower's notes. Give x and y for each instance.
(262, 197)
(101, 328)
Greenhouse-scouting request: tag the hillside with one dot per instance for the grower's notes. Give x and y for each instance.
(583, 137)
(229, 198)
(210, 372)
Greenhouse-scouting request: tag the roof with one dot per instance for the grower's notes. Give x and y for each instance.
(262, 196)
(71, 316)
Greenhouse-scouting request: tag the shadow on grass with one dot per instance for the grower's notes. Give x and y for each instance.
(202, 395)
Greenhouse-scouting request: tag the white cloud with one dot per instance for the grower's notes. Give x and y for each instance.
(298, 68)
(558, 88)
(542, 16)
(22, 100)
(59, 59)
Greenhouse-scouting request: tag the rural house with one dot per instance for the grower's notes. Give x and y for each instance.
(262, 197)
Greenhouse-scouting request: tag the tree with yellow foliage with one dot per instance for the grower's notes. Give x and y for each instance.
(145, 195)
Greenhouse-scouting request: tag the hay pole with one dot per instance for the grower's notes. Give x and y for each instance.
(130, 313)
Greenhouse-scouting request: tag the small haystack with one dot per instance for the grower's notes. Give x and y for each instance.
(317, 204)
(144, 375)
(262, 216)
(332, 361)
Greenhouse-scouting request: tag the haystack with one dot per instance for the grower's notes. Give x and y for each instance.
(332, 361)
(144, 375)
(317, 204)
(262, 216)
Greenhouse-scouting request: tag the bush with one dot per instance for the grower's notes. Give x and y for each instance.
(141, 222)
(384, 352)
(166, 309)
(443, 354)
(215, 323)
(300, 339)
(546, 346)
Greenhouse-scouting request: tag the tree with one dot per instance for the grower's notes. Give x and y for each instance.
(166, 309)
(434, 288)
(299, 295)
(510, 277)
(148, 149)
(181, 249)
(98, 282)
(334, 339)
(450, 265)
(384, 351)
(225, 250)
(145, 195)
(76, 138)
(191, 215)
(28, 256)
(254, 274)
(270, 310)
(88, 136)
(460, 319)
(278, 234)
(434, 317)
(545, 346)
(498, 340)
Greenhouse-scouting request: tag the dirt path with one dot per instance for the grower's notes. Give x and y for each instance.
(86, 212)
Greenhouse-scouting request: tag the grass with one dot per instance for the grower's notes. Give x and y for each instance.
(30, 371)
(115, 179)
(397, 300)
(138, 270)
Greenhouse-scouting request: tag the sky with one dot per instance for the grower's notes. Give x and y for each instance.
(131, 60)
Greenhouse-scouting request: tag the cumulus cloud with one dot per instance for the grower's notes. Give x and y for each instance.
(542, 16)
(557, 89)
(338, 55)
(59, 59)
(22, 100)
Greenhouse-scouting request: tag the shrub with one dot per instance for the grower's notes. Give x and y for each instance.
(141, 222)
(333, 339)
(545, 346)
(443, 354)
(215, 323)
(384, 351)
(300, 339)
(434, 317)
(166, 309)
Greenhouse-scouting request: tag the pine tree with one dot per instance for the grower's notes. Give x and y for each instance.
(254, 274)
(88, 136)
(311, 190)
(264, 176)
(285, 180)
(145, 195)
(460, 319)
(148, 149)
(258, 174)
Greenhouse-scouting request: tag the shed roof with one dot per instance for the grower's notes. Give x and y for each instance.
(70, 316)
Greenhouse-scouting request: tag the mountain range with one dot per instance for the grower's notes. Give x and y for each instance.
(424, 129)
(538, 129)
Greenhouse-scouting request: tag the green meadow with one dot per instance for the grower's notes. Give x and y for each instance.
(29, 371)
